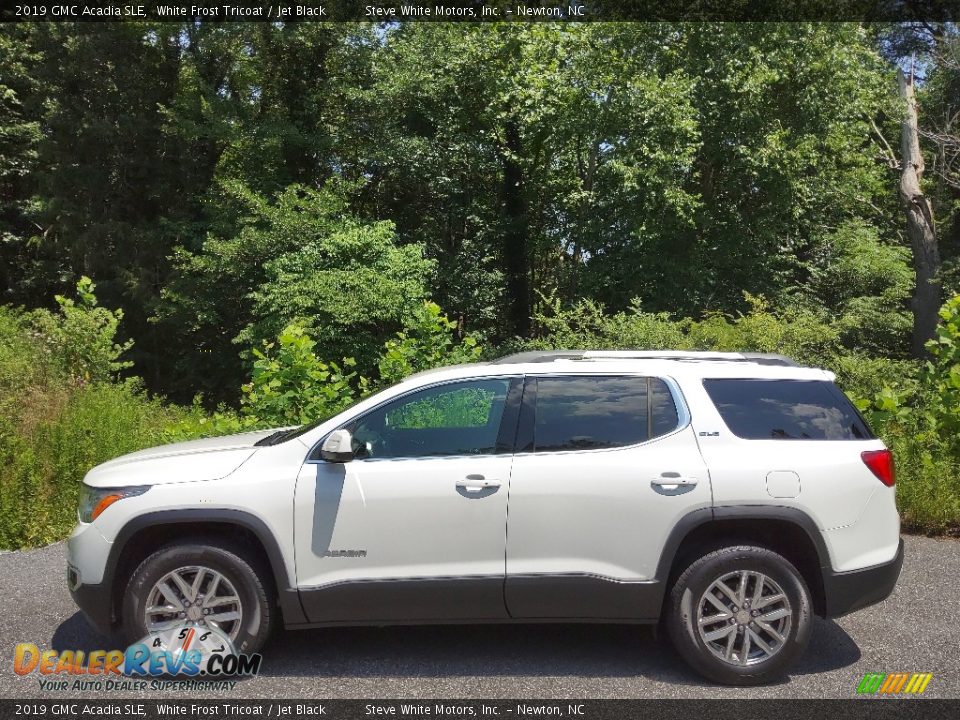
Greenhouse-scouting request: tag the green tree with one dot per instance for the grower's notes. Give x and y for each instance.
(305, 258)
(19, 137)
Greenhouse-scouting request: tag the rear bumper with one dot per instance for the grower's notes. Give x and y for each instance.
(846, 592)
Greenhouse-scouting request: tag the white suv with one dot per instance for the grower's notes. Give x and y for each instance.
(730, 496)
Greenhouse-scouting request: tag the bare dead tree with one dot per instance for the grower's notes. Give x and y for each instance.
(944, 131)
(921, 228)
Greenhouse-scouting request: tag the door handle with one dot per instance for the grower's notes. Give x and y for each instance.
(476, 483)
(668, 481)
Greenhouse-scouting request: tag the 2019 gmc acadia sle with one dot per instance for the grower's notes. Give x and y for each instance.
(729, 496)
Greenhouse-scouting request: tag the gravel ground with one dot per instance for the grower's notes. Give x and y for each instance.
(916, 630)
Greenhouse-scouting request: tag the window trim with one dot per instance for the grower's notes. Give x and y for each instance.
(511, 413)
(527, 417)
(832, 390)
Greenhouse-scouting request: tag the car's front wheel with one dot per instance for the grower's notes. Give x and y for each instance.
(199, 585)
(740, 615)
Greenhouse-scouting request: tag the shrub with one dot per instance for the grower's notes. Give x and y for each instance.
(41, 466)
(60, 414)
(291, 386)
(585, 325)
(866, 284)
(928, 483)
(941, 373)
(428, 340)
(81, 337)
(798, 333)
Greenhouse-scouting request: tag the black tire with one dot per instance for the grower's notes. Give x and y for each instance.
(250, 582)
(682, 620)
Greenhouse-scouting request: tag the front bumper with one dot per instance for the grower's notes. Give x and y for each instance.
(845, 592)
(95, 602)
(87, 577)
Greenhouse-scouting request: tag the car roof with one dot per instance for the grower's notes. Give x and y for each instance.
(670, 363)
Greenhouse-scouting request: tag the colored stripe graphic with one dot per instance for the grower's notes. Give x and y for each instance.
(871, 683)
(894, 683)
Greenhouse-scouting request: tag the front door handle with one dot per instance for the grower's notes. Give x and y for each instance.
(476, 483)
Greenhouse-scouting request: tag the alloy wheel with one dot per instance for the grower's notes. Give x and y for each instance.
(194, 595)
(744, 618)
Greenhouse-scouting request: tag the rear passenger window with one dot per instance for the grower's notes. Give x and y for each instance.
(786, 410)
(589, 413)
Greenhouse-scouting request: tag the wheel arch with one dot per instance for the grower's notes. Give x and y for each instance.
(785, 530)
(139, 537)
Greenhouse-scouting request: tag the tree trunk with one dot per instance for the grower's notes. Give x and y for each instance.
(515, 236)
(920, 226)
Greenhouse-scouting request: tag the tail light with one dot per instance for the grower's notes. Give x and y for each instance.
(880, 463)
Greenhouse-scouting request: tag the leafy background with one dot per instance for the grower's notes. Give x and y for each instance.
(209, 227)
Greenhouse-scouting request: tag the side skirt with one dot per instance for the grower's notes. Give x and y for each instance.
(582, 596)
(416, 600)
(522, 598)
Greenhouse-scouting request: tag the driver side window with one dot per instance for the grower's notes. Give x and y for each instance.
(455, 419)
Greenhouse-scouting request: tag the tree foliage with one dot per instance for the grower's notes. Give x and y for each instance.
(220, 181)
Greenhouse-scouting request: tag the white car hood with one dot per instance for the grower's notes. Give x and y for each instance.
(207, 459)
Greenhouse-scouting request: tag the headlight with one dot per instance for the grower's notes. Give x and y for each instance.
(94, 501)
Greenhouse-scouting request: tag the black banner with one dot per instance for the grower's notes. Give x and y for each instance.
(200, 709)
(482, 10)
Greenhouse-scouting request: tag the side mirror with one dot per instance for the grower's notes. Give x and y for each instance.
(338, 447)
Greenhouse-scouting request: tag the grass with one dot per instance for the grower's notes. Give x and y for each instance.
(928, 488)
(53, 428)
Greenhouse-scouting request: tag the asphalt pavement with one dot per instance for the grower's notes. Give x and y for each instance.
(916, 630)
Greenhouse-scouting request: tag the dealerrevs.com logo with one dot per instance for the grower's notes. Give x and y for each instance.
(894, 683)
(184, 652)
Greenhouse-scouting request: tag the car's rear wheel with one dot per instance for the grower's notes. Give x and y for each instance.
(740, 615)
(199, 585)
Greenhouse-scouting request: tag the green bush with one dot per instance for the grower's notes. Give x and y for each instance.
(585, 325)
(795, 332)
(928, 483)
(81, 337)
(62, 411)
(428, 340)
(291, 386)
(62, 435)
(941, 373)
(799, 333)
(865, 284)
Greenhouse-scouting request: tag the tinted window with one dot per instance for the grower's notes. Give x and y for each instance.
(455, 419)
(587, 413)
(786, 410)
(663, 413)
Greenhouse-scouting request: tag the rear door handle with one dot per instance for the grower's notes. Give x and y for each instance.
(677, 481)
(476, 483)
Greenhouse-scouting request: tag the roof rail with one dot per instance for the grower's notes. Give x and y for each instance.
(543, 356)
(538, 356)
